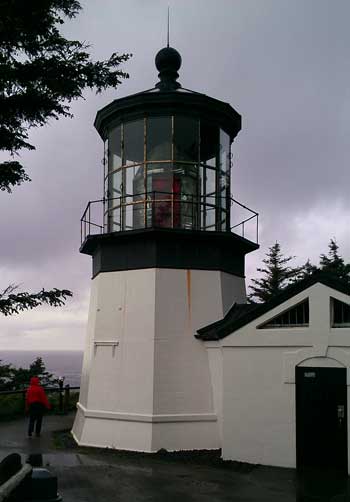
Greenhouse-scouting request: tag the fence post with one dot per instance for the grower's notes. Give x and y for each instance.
(60, 384)
(66, 398)
(24, 400)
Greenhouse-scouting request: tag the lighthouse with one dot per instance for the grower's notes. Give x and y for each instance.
(165, 262)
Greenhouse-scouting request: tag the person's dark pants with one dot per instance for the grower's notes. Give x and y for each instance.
(36, 411)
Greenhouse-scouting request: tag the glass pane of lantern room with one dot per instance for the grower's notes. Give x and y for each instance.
(133, 142)
(159, 138)
(224, 180)
(189, 207)
(224, 152)
(114, 149)
(134, 180)
(160, 189)
(186, 138)
(133, 197)
(225, 165)
(159, 174)
(115, 184)
(210, 183)
(209, 143)
(209, 158)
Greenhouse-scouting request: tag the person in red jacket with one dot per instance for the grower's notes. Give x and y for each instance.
(36, 403)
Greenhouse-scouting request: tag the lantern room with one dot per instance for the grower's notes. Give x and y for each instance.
(170, 171)
(167, 156)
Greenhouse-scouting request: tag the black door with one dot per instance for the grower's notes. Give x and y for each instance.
(321, 419)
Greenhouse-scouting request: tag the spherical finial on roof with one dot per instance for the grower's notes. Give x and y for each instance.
(168, 62)
(168, 58)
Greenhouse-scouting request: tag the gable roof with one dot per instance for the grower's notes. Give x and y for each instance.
(241, 314)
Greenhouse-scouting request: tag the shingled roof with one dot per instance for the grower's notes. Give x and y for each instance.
(241, 314)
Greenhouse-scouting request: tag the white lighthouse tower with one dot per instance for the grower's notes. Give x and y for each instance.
(165, 264)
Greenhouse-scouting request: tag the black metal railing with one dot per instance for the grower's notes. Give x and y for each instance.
(64, 396)
(168, 210)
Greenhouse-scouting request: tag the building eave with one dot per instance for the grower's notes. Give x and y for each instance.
(237, 316)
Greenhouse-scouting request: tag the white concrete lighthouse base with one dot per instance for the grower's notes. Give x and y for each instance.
(146, 432)
(146, 380)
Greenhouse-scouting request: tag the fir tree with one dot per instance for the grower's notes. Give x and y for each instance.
(21, 376)
(276, 275)
(306, 270)
(12, 378)
(334, 263)
(41, 73)
(6, 376)
(14, 303)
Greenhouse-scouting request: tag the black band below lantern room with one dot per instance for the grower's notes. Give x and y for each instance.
(168, 248)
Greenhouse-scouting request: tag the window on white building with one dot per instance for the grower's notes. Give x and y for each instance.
(340, 314)
(295, 317)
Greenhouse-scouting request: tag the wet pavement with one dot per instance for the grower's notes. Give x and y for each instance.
(90, 475)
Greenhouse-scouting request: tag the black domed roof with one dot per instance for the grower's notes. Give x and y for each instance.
(168, 97)
(168, 62)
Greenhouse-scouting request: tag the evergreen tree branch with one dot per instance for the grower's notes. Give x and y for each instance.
(16, 303)
(12, 174)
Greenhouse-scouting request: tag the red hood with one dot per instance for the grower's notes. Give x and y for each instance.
(34, 381)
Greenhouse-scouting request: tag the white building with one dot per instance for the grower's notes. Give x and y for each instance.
(284, 382)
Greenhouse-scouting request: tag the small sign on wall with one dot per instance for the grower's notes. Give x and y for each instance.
(106, 343)
(310, 374)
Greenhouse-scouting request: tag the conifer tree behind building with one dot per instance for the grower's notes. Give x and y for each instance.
(276, 275)
(334, 264)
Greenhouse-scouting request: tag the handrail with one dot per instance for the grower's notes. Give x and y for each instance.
(244, 207)
(64, 395)
(201, 204)
(47, 389)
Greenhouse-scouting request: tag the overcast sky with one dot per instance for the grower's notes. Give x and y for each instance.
(282, 64)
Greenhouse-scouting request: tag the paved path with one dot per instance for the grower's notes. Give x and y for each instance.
(87, 475)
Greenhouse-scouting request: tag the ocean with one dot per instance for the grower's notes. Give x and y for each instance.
(60, 363)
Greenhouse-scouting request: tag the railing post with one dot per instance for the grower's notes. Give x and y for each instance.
(257, 228)
(89, 218)
(24, 400)
(66, 398)
(60, 384)
(103, 230)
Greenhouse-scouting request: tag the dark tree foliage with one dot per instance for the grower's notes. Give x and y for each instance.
(12, 173)
(41, 72)
(12, 378)
(334, 263)
(12, 303)
(22, 376)
(306, 270)
(277, 274)
(6, 376)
